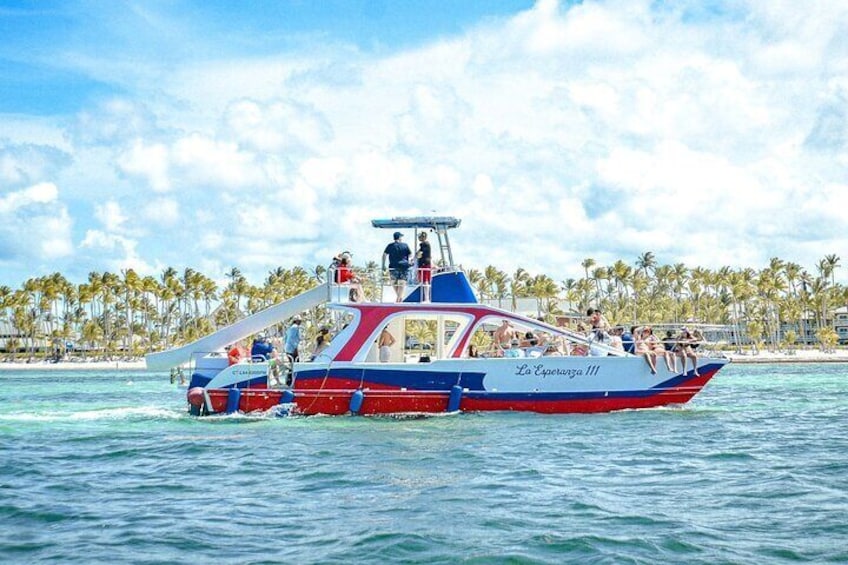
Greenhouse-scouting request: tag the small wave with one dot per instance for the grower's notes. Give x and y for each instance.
(132, 413)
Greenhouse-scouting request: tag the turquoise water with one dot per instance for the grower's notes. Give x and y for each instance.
(107, 467)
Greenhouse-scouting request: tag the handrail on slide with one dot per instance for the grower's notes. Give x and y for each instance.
(240, 330)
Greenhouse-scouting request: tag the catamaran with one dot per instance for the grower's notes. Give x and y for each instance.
(556, 371)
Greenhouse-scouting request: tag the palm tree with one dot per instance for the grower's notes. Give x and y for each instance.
(518, 286)
(598, 275)
(587, 264)
(647, 263)
(832, 262)
(476, 280)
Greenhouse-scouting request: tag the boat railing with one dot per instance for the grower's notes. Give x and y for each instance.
(280, 375)
(343, 292)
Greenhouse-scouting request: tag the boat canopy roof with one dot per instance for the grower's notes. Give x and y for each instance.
(435, 222)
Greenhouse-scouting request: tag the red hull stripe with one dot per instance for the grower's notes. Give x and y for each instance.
(336, 401)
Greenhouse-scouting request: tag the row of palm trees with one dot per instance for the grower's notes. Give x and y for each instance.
(126, 312)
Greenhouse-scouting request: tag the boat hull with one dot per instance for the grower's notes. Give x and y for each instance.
(383, 393)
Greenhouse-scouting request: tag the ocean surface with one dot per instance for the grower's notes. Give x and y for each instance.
(107, 467)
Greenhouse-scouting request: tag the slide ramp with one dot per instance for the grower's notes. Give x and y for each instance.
(239, 330)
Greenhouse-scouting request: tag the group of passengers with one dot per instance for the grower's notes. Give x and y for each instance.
(671, 347)
(507, 341)
(267, 348)
(400, 259)
(601, 339)
(641, 340)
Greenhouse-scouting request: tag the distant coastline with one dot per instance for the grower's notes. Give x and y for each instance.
(130, 365)
(798, 356)
(762, 357)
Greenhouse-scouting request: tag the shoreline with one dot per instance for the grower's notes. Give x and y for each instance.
(762, 357)
(134, 365)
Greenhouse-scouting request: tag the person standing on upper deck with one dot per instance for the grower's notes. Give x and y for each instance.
(425, 271)
(398, 253)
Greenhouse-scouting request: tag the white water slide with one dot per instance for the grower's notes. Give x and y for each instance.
(240, 330)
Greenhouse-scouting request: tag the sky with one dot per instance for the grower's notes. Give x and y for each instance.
(211, 134)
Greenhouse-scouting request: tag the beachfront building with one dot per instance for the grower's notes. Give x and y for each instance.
(13, 340)
(840, 324)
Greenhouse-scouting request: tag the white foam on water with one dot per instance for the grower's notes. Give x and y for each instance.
(131, 413)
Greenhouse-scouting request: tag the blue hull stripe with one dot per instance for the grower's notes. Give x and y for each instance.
(418, 380)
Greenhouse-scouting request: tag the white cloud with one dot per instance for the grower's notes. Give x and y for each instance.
(115, 252)
(56, 239)
(110, 215)
(34, 225)
(599, 129)
(162, 211)
(278, 126)
(149, 162)
(42, 193)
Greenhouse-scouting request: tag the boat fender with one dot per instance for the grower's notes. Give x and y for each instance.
(233, 398)
(195, 396)
(455, 397)
(287, 397)
(356, 401)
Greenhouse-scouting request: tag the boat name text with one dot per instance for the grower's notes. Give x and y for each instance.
(540, 370)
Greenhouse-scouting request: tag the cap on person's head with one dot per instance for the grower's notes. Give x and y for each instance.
(514, 342)
(422, 235)
(345, 255)
(398, 235)
(297, 319)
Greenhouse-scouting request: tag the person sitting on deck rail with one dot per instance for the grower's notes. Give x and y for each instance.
(684, 349)
(344, 275)
(658, 348)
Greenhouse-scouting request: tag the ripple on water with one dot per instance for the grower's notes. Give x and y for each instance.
(752, 471)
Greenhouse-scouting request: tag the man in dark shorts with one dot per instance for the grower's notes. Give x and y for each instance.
(398, 253)
(424, 266)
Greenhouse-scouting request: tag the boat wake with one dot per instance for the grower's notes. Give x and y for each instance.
(137, 413)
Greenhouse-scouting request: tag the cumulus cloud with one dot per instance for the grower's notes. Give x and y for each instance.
(110, 215)
(162, 211)
(115, 252)
(28, 163)
(598, 129)
(34, 225)
(148, 161)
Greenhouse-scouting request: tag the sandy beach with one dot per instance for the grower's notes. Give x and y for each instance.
(798, 356)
